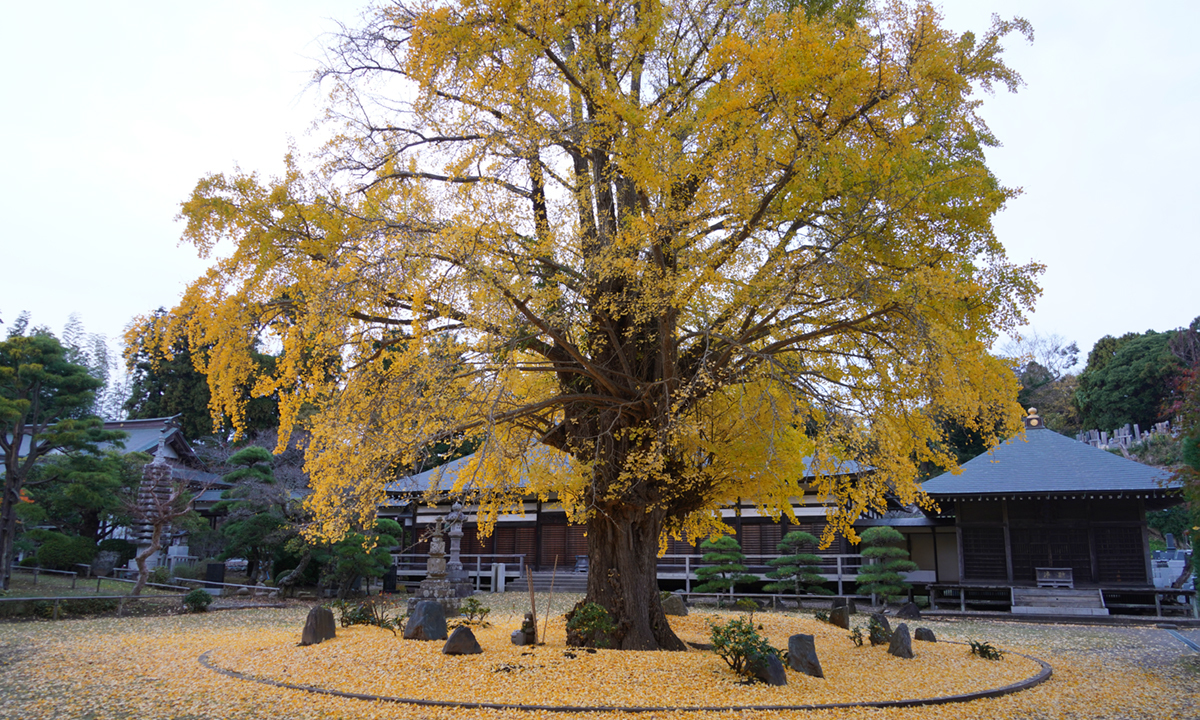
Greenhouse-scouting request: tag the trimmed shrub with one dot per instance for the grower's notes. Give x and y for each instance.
(738, 643)
(125, 550)
(725, 568)
(589, 625)
(198, 600)
(63, 552)
(881, 575)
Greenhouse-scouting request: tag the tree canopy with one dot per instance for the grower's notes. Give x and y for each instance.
(1129, 379)
(45, 405)
(648, 257)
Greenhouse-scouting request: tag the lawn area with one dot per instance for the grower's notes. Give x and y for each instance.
(147, 668)
(23, 585)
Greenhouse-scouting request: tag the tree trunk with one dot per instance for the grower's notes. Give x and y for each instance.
(8, 533)
(143, 556)
(293, 577)
(623, 577)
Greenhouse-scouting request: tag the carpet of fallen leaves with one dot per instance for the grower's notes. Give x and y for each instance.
(147, 668)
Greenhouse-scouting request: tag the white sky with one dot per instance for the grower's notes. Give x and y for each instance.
(112, 112)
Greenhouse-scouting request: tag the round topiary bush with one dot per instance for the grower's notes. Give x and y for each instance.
(62, 552)
(198, 600)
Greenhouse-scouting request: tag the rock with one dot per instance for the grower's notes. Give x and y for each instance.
(924, 635)
(769, 669)
(318, 626)
(673, 605)
(428, 622)
(909, 611)
(883, 633)
(243, 591)
(845, 602)
(901, 644)
(517, 637)
(802, 655)
(840, 616)
(462, 642)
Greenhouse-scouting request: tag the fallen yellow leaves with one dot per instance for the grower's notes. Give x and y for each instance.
(555, 675)
(147, 668)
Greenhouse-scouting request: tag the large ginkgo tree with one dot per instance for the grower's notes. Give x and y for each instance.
(645, 257)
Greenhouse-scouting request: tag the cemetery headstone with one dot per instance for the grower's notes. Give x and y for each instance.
(901, 644)
(802, 655)
(427, 622)
(318, 626)
(462, 642)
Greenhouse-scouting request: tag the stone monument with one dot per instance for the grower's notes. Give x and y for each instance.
(455, 573)
(436, 586)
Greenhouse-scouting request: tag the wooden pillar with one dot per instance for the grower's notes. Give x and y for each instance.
(1145, 541)
(1007, 541)
(937, 575)
(1091, 535)
(962, 573)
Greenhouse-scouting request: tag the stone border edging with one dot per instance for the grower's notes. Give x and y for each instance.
(1042, 676)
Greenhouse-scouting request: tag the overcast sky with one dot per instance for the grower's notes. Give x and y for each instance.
(114, 110)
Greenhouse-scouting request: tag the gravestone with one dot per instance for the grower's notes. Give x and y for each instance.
(901, 644)
(427, 622)
(318, 626)
(924, 635)
(802, 655)
(214, 573)
(769, 669)
(673, 605)
(909, 611)
(840, 616)
(462, 642)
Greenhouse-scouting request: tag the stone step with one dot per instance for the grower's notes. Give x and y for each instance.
(1057, 610)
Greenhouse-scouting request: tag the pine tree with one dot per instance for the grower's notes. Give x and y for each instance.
(797, 571)
(726, 568)
(881, 576)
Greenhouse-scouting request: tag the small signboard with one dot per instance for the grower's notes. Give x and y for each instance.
(1055, 577)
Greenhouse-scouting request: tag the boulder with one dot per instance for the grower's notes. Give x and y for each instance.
(840, 616)
(909, 611)
(318, 626)
(462, 642)
(243, 591)
(802, 655)
(924, 635)
(883, 633)
(901, 644)
(517, 637)
(673, 605)
(428, 622)
(769, 669)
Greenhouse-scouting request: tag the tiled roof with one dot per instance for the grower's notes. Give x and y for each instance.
(1044, 462)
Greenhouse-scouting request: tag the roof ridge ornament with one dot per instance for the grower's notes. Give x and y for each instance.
(1033, 421)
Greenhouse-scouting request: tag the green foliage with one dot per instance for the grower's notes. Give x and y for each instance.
(474, 611)
(63, 552)
(738, 643)
(125, 549)
(359, 555)
(1128, 380)
(160, 575)
(985, 650)
(198, 600)
(821, 615)
(589, 625)
(726, 566)
(45, 401)
(371, 611)
(797, 571)
(84, 493)
(881, 574)
(856, 636)
(878, 634)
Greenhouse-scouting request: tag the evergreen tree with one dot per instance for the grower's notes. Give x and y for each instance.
(45, 406)
(726, 566)
(881, 576)
(797, 571)
(257, 523)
